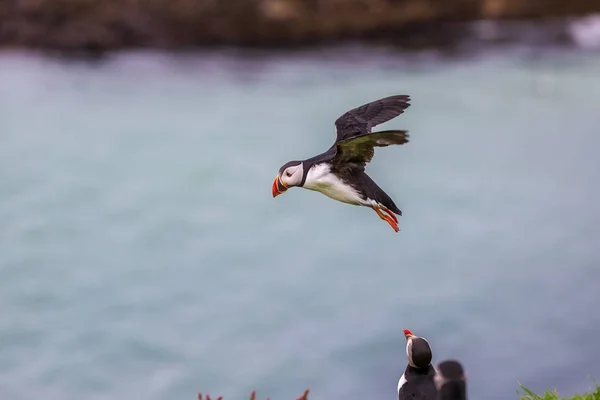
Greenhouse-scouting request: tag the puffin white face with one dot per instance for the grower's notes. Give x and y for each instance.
(418, 351)
(290, 174)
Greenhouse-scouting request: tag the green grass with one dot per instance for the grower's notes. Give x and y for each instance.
(553, 395)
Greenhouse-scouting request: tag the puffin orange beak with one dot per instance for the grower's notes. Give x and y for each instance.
(408, 334)
(278, 186)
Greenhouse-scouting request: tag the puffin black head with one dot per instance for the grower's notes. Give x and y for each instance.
(418, 351)
(289, 175)
(451, 380)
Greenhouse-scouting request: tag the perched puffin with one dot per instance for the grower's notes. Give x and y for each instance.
(417, 381)
(451, 381)
(339, 172)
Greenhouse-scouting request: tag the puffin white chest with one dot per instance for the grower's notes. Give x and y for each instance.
(320, 178)
(401, 383)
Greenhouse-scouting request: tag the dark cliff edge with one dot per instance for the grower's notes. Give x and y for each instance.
(98, 26)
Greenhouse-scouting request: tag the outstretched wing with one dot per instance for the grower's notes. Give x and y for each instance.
(361, 120)
(357, 151)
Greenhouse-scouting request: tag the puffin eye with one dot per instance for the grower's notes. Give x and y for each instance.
(288, 173)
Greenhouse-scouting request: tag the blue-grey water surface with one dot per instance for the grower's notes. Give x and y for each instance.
(142, 255)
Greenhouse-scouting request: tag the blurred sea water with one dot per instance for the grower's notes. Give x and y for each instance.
(143, 257)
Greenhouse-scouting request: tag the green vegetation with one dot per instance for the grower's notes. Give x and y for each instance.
(553, 395)
(528, 395)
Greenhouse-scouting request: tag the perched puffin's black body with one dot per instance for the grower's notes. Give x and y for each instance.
(339, 172)
(417, 382)
(451, 381)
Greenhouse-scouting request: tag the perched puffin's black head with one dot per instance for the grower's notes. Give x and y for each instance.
(418, 351)
(451, 380)
(290, 174)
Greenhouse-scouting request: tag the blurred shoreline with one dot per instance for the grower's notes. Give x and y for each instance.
(94, 27)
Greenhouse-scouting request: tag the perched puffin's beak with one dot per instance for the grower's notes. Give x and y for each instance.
(278, 187)
(408, 334)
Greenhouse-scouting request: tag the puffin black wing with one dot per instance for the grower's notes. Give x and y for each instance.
(355, 142)
(361, 120)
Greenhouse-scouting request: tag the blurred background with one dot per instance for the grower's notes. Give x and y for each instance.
(142, 255)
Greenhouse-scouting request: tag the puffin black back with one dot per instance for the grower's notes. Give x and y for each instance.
(419, 384)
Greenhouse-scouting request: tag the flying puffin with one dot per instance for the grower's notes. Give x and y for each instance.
(451, 381)
(417, 381)
(339, 173)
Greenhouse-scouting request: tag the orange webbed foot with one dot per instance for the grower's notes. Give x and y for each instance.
(392, 220)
